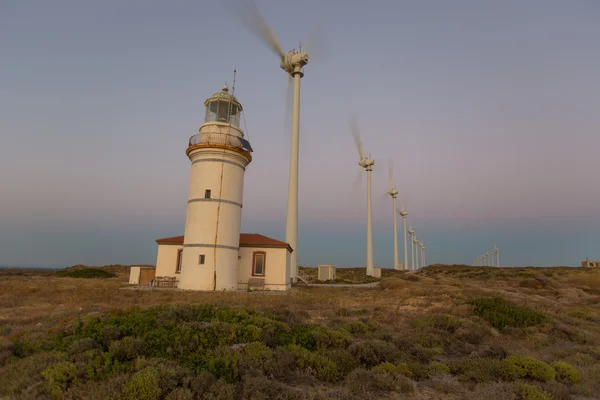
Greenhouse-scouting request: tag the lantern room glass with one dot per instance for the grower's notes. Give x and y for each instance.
(222, 111)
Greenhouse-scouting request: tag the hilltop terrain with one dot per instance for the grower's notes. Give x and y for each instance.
(446, 332)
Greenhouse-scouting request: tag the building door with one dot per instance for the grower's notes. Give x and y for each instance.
(146, 275)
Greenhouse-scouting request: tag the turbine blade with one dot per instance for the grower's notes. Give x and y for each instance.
(314, 45)
(357, 190)
(391, 173)
(356, 135)
(249, 15)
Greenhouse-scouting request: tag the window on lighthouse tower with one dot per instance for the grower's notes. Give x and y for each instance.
(223, 111)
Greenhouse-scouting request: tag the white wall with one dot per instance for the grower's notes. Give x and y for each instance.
(166, 259)
(134, 275)
(277, 267)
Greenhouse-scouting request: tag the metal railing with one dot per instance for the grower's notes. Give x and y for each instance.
(222, 139)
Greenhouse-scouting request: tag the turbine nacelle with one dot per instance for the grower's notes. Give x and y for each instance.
(393, 192)
(403, 213)
(293, 61)
(366, 162)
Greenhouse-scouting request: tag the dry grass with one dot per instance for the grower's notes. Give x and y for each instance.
(428, 309)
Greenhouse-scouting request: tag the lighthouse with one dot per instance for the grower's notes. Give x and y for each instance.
(219, 155)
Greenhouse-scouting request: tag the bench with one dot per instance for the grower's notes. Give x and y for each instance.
(165, 281)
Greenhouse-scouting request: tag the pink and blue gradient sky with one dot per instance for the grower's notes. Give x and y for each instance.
(489, 110)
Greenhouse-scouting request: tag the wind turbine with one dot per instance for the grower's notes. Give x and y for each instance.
(415, 244)
(366, 163)
(422, 247)
(497, 256)
(403, 214)
(292, 63)
(411, 232)
(490, 258)
(394, 193)
(484, 260)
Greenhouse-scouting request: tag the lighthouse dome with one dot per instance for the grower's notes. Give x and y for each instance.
(223, 107)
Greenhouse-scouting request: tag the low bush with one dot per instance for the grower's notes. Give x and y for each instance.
(532, 368)
(501, 313)
(565, 372)
(530, 392)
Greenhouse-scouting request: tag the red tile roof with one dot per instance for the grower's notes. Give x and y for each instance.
(246, 240)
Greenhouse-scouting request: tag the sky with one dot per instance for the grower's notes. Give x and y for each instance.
(489, 111)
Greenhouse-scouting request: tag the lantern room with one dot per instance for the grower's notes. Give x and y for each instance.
(223, 107)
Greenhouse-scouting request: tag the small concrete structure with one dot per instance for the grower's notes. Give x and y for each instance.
(590, 264)
(326, 272)
(141, 275)
(376, 272)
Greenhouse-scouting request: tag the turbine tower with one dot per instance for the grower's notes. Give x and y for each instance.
(483, 260)
(403, 214)
(411, 232)
(497, 256)
(394, 194)
(415, 244)
(422, 247)
(366, 163)
(292, 63)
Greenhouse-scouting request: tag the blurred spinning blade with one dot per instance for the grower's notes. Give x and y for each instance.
(356, 135)
(249, 15)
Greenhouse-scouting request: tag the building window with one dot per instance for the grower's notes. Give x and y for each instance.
(258, 263)
(179, 259)
(201, 259)
(207, 194)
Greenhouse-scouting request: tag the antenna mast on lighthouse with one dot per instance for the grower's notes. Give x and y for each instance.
(233, 83)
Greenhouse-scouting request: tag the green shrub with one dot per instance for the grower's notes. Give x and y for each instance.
(343, 359)
(530, 392)
(220, 390)
(482, 370)
(501, 313)
(532, 368)
(437, 368)
(373, 352)
(362, 384)
(255, 355)
(223, 363)
(322, 367)
(389, 368)
(565, 372)
(59, 377)
(127, 349)
(143, 384)
(443, 322)
(357, 327)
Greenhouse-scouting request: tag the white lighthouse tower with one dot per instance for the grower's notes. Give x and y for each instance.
(219, 155)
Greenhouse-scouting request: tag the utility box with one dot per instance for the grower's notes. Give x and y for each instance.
(376, 272)
(326, 272)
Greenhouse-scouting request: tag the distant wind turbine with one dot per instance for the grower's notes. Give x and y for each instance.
(403, 214)
(394, 194)
(366, 163)
(497, 251)
(411, 232)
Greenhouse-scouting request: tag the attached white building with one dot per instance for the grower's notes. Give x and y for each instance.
(213, 255)
(263, 262)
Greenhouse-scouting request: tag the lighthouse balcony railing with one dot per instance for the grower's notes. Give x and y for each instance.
(220, 138)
